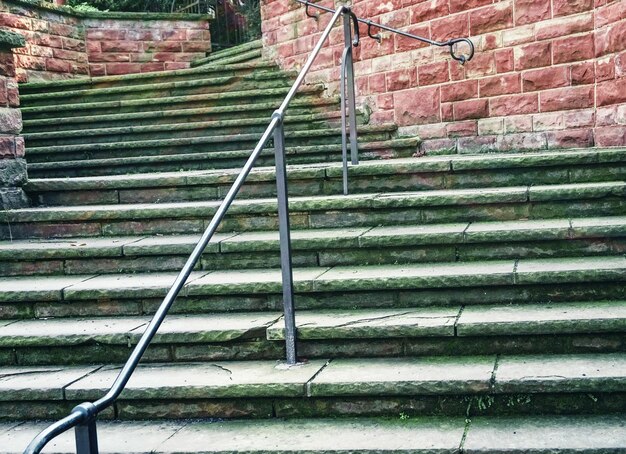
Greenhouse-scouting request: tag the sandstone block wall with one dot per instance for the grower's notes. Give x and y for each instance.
(12, 162)
(547, 73)
(61, 44)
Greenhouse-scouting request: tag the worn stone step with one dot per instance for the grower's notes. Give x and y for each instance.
(159, 90)
(251, 110)
(406, 174)
(587, 327)
(584, 434)
(172, 131)
(251, 55)
(85, 83)
(501, 281)
(314, 212)
(224, 160)
(464, 242)
(324, 135)
(460, 386)
(247, 51)
(226, 98)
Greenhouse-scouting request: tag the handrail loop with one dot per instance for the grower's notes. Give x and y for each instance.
(83, 417)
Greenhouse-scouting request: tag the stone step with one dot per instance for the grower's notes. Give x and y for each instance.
(159, 90)
(171, 131)
(408, 174)
(415, 386)
(226, 98)
(239, 111)
(242, 57)
(579, 327)
(252, 48)
(224, 160)
(326, 135)
(85, 83)
(464, 242)
(317, 212)
(583, 434)
(382, 286)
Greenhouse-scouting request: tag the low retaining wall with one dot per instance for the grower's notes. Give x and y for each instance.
(63, 44)
(12, 163)
(547, 73)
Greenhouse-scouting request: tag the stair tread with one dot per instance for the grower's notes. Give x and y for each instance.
(179, 329)
(450, 197)
(521, 434)
(396, 166)
(319, 279)
(250, 137)
(444, 375)
(247, 94)
(312, 239)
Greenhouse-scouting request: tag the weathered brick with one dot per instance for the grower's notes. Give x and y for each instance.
(495, 17)
(567, 98)
(401, 79)
(419, 106)
(542, 79)
(583, 73)
(610, 136)
(568, 7)
(434, 73)
(462, 129)
(611, 92)
(499, 85)
(574, 48)
(570, 138)
(564, 26)
(534, 55)
(530, 11)
(459, 91)
(514, 105)
(472, 109)
(429, 10)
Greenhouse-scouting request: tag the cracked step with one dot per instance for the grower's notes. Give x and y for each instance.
(420, 386)
(527, 328)
(212, 160)
(239, 111)
(482, 435)
(355, 210)
(465, 242)
(176, 102)
(322, 135)
(408, 174)
(319, 287)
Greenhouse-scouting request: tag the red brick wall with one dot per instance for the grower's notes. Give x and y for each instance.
(123, 47)
(62, 45)
(12, 163)
(547, 73)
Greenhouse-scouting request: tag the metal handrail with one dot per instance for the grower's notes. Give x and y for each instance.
(451, 43)
(83, 417)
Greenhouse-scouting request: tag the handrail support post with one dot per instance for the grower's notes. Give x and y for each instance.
(348, 98)
(86, 432)
(285, 239)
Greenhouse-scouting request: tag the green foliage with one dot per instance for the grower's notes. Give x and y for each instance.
(122, 5)
(85, 8)
(251, 10)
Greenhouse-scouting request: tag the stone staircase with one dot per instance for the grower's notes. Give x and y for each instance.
(454, 303)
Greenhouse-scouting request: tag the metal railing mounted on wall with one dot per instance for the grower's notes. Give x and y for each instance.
(83, 417)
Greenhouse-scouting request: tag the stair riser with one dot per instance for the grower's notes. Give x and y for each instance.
(388, 255)
(345, 348)
(358, 184)
(609, 206)
(331, 120)
(183, 117)
(226, 143)
(349, 300)
(461, 405)
(201, 162)
(208, 87)
(157, 105)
